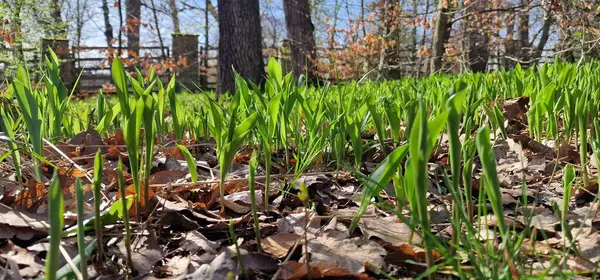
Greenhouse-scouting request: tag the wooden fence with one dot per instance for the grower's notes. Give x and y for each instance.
(193, 66)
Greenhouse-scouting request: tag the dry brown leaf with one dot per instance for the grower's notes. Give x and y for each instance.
(296, 222)
(545, 221)
(399, 254)
(178, 265)
(292, 270)
(195, 242)
(535, 248)
(568, 153)
(350, 254)
(30, 265)
(586, 194)
(279, 244)
(23, 220)
(167, 176)
(388, 229)
(218, 269)
(117, 139)
(516, 109)
(145, 251)
(259, 263)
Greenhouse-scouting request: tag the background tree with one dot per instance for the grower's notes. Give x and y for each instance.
(133, 22)
(477, 36)
(108, 29)
(174, 16)
(441, 34)
(300, 32)
(240, 43)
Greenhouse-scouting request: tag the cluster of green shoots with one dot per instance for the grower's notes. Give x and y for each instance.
(315, 126)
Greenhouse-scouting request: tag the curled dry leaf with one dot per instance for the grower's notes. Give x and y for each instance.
(398, 255)
(388, 229)
(178, 265)
(293, 270)
(259, 263)
(218, 269)
(30, 265)
(145, 252)
(515, 109)
(349, 254)
(279, 244)
(296, 222)
(194, 242)
(21, 224)
(583, 194)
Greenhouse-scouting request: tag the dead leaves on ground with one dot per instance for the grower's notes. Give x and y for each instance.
(186, 236)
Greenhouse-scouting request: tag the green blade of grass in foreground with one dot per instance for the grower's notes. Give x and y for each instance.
(80, 229)
(55, 212)
(98, 167)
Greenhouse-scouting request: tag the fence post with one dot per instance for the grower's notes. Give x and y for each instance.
(185, 53)
(67, 64)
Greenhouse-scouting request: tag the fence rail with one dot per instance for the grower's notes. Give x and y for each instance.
(193, 64)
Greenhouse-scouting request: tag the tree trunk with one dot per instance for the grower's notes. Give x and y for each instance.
(509, 43)
(133, 10)
(240, 43)
(362, 17)
(523, 47)
(477, 37)
(174, 16)
(16, 24)
(545, 35)
(157, 27)
(212, 10)
(441, 35)
(336, 9)
(108, 29)
(419, 67)
(300, 32)
(59, 27)
(78, 27)
(120, 40)
(565, 44)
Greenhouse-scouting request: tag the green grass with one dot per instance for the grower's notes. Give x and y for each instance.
(322, 126)
(189, 101)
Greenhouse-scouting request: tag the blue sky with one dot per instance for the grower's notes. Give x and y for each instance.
(192, 20)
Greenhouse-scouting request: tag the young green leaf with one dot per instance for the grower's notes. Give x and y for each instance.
(55, 213)
(191, 162)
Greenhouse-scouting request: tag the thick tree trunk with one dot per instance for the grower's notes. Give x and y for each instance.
(300, 32)
(134, 15)
(240, 43)
(477, 37)
(174, 16)
(108, 29)
(441, 35)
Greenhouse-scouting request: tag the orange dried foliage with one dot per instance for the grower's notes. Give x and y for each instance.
(25, 199)
(117, 139)
(242, 158)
